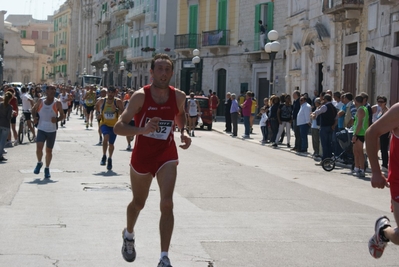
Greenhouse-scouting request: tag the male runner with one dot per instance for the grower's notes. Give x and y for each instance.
(108, 110)
(103, 93)
(155, 108)
(384, 232)
(90, 101)
(48, 110)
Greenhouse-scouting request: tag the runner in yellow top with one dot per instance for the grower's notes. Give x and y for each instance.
(90, 101)
(108, 110)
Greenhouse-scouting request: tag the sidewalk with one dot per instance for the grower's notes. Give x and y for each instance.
(256, 136)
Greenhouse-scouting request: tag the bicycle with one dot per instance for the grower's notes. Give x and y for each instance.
(24, 130)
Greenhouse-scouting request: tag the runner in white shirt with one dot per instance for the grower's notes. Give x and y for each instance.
(27, 104)
(64, 98)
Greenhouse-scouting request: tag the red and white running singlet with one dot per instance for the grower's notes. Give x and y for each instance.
(158, 147)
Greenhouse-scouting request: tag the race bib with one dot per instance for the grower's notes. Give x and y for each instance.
(90, 101)
(109, 115)
(164, 129)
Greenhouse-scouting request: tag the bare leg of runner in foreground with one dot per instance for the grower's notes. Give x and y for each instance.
(155, 107)
(384, 232)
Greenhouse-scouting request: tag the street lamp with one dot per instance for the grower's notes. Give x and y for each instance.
(121, 68)
(271, 48)
(105, 69)
(196, 60)
(84, 71)
(93, 70)
(1, 69)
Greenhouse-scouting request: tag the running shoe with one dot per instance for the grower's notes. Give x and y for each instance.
(128, 251)
(87, 125)
(378, 241)
(91, 124)
(164, 262)
(47, 173)
(38, 167)
(103, 159)
(109, 165)
(129, 147)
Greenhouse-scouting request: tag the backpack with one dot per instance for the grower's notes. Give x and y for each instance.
(285, 111)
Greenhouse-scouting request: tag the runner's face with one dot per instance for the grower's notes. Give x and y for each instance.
(162, 73)
(111, 94)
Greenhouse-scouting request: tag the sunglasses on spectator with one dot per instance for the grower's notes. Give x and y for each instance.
(381, 101)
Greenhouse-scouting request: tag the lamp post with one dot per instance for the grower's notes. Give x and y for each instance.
(271, 48)
(93, 70)
(105, 69)
(196, 60)
(84, 71)
(1, 69)
(121, 68)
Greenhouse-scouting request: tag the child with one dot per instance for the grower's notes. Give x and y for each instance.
(263, 124)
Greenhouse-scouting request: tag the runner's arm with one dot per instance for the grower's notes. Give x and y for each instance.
(123, 128)
(60, 111)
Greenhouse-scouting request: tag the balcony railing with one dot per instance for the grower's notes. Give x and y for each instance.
(120, 10)
(62, 42)
(105, 17)
(336, 6)
(118, 42)
(187, 41)
(216, 38)
(151, 18)
(137, 12)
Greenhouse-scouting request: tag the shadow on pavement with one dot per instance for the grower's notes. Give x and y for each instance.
(42, 182)
(107, 173)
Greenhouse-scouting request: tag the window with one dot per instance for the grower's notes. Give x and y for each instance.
(351, 49)
(372, 17)
(35, 35)
(265, 13)
(44, 35)
(396, 39)
(23, 34)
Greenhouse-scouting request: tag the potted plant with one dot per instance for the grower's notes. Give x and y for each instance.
(89, 56)
(240, 42)
(152, 49)
(167, 49)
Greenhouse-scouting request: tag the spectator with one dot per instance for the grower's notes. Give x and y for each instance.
(379, 110)
(214, 100)
(234, 110)
(303, 121)
(296, 107)
(275, 103)
(254, 106)
(328, 121)
(284, 117)
(246, 113)
(263, 124)
(316, 131)
(227, 116)
(5, 121)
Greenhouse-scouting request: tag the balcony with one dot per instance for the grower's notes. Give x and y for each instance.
(137, 12)
(341, 6)
(118, 43)
(105, 18)
(185, 43)
(61, 59)
(216, 41)
(50, 61)
(120, 10)
(137, 54)
(62, 42)
(51, 45)
(151, 16)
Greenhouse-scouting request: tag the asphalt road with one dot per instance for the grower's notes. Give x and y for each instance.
(237, 203)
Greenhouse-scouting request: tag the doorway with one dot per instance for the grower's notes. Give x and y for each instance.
(320, 78)
(221, 90)
(263, 91)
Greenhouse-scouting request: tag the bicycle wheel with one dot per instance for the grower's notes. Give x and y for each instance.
(21, 132)
(29, 133)
(328, 164)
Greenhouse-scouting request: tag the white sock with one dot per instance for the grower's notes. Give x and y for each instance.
(128, 235)
(163, 254)
(356, 169)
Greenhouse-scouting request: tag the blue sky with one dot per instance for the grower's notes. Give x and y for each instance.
(38, 8)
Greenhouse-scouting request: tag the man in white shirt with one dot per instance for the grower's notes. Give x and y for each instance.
(27, 104)
(303, 122)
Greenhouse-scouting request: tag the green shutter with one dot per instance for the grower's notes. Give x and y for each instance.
(42, 73)
(270, 14)
(193, 26)
(257, 18)
(147, 43)
(154, 41)
(222, 15)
